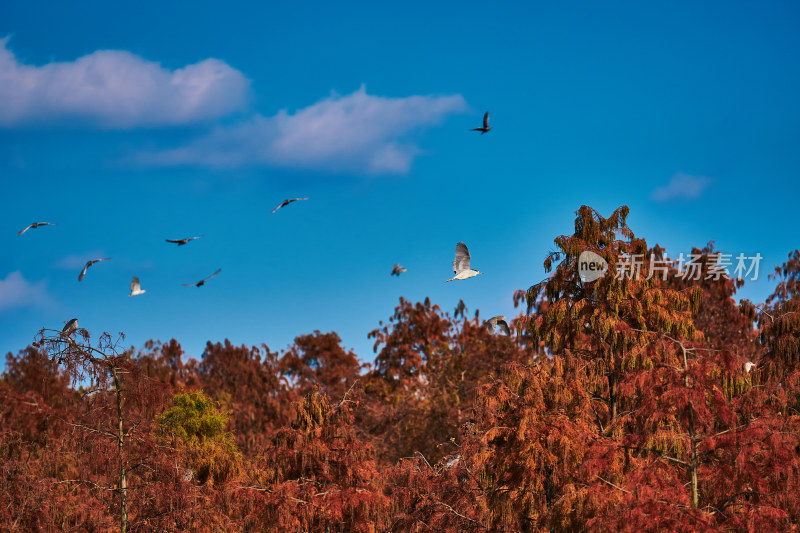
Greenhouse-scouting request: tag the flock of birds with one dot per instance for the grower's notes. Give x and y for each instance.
(461, 264)
(136, 288)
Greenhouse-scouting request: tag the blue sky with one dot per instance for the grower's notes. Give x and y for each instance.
(129, 125)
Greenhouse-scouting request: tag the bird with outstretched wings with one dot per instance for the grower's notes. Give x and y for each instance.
(498, 322)
(461, 267)
(88, 264)
(287, 202)
(181, 242)
(202, 281)
(486, 127)
(34, 226)
(397, 270)
(136, 288)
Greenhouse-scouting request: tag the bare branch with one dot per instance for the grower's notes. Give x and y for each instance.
(613, 485)
(93, 430)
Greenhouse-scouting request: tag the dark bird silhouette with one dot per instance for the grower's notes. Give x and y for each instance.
(181, 242)
(287, 202)
(35, 225)
(486, 127)
(203, 281)
(397, 270)
(70, 327)
(88, 264)
(500, 323)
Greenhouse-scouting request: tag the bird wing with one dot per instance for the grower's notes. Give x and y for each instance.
(214, 274)
(503, 325)
(287, 202)
(90, 263)
(70, 325)
(173, 240)
(189, 284)
(135, 284)
(486, 120)
(35, 225)
(283, 203)
(83, 272)
(462, 258)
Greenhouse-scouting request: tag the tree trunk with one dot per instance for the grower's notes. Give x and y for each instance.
(693, 464)
(692, 434)
(123, 480)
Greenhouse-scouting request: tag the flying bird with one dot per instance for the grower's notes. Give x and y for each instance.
(88, 264)
(461, 267)
(203, 281)
(287, 202)
(397, 270)
(486, 127)
(498, 321)
(35, 225)
(136, 289)
(181, 242)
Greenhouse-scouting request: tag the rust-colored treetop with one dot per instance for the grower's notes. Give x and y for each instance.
(631, 399)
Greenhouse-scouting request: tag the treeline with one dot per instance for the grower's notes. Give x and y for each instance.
(640, 403)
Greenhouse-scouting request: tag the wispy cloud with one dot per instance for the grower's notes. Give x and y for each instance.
(357, 132)
(16, 292)
(683, 186)
(117, 89)
(77, 261)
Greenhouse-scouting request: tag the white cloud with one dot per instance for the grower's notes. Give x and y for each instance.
(681, 185)
(17, 292)
(117, 89)
(357, 132)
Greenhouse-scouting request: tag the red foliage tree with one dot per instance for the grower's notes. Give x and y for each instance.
(248, 382)
(317, 475)
(623, 404)
(426, 376)
(318, 360)
(718, 316)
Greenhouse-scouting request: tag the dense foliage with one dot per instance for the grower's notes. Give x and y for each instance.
(649, 402)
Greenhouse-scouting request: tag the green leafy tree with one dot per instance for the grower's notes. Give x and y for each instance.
(195, 426)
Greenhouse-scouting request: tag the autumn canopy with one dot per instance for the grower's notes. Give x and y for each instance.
(642, 400)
